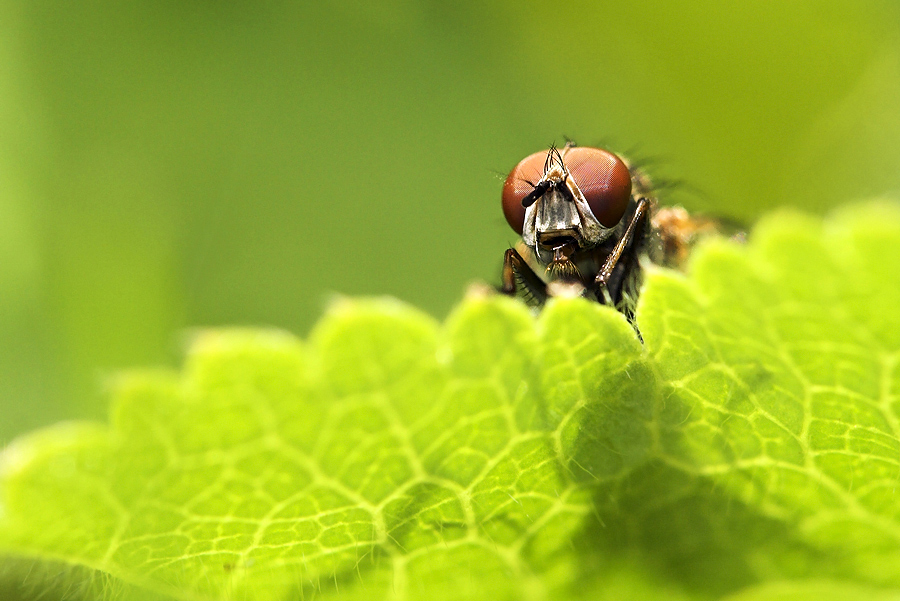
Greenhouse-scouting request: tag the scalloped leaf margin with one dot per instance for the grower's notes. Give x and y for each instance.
(754, 439)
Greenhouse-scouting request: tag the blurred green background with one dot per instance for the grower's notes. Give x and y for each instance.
(167, 165)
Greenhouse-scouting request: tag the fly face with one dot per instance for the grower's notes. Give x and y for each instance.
(582, 228)
(575, 196)
(556, 212)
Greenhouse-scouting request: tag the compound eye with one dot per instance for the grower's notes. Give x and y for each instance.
(603, 179)
(520, 183)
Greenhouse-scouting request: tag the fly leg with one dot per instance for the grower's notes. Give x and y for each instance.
(601, 282)
(517, 272)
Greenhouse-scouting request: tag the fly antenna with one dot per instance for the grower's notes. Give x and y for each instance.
(548, 162)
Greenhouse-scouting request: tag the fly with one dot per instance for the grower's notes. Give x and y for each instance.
(587, 221)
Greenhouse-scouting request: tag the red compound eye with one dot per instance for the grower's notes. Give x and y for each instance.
(603, 179)
(519, 184)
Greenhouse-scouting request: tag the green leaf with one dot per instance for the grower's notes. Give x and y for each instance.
(781, 361)
(752, 446)
(386, 445)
